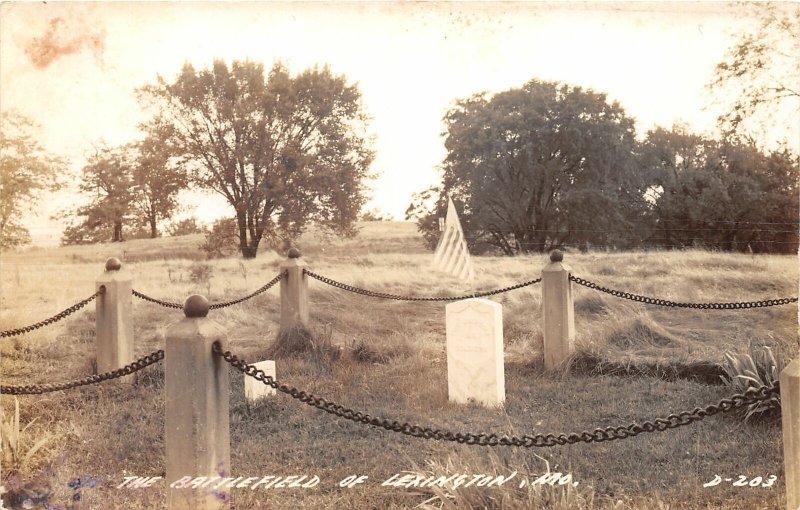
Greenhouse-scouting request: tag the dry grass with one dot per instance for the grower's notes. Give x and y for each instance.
(391, 362)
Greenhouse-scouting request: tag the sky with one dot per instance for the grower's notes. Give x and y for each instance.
(73, 68)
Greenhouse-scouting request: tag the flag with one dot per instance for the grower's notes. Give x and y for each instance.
(452, 255)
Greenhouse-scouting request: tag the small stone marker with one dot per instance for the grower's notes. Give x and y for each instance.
(790, 417)
(254, 390)
(475, 369)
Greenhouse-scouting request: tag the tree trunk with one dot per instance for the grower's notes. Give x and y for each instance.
(253, 247)
(117, 232)
(153, 228)
(248, 251)
(241, 223)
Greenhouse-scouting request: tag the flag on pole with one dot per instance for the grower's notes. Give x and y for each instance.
(452, 255)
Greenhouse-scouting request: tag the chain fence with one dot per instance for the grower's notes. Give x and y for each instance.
(38, 389)
(215, 306)
(702, 306)
(396, 297)
(166, 304)
(261, 290)
(55, 318)
(598, 435)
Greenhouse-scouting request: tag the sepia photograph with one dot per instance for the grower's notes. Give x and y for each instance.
(399, 255)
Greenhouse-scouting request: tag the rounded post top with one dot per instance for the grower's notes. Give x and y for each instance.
(294, 253)
(113, 264)
(556, 256)
(196, 306)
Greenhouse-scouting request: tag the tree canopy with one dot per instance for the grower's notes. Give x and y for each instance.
(762, 69)
(725, 195)
(530, 168)
(26, 170)
(157, 179)
(107, 179)
(283, 150)
(549, 165)
(134, 186)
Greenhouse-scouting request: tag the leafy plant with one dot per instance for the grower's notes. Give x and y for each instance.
(221, 239)
(11, 435)
(757, 368)
(200, 273)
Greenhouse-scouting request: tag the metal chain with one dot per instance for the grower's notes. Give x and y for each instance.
(261, 290)
(55, 318)
(598, 435)
(167, 304)
(702, 306)
(215, 306)
(37, 389)
(383, 295)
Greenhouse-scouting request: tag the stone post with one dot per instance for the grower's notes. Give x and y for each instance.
(558, 312)
(114, 321)
(197, 432)
(294, 294)
(790, 417)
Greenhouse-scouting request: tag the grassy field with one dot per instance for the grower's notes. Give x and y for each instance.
(392, 364)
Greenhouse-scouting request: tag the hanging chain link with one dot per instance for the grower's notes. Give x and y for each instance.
(598, 435)
(37, 389)
(703, 306)
(215, 306)
(55, 318)
(261, 290)
(166, 304)
(383, 295)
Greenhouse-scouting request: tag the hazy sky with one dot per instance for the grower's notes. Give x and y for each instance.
(73, 67)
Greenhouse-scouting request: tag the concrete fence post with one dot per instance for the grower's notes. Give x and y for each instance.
(114, 320)
(197, 434)
(790, 418)
(294, 294)
(558, 312)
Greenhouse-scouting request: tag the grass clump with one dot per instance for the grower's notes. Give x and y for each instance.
(13, 440)
(317, 348)
(362, 351)
(753, 369)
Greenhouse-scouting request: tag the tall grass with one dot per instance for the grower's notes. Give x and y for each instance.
(390, 362)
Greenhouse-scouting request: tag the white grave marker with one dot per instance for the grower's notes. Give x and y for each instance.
(475, 352)
(253, 389)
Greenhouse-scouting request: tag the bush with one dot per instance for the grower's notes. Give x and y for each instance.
(185, 227)
(753, 370)
(222, 239)
(375, 215)
(200, 273)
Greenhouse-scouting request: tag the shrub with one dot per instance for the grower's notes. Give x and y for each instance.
(221, 240)
(185, 227)
(200, 273)
(757, 368)
(11, 436)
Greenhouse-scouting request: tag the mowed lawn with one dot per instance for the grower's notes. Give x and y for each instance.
(392, 364)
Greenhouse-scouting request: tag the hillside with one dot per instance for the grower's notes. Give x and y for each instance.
(391, 362)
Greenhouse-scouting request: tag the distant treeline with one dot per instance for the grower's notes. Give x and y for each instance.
(548, 165)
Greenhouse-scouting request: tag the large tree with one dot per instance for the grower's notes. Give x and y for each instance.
(761, 71)
(283, 150)
(538, 167)
(26, 170)
(108, 180)
(727, 195)
(157, 178)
